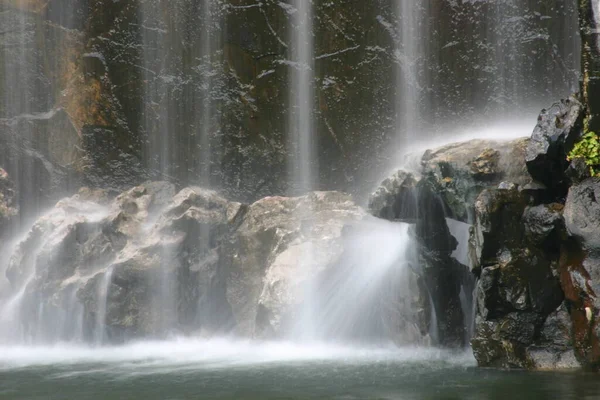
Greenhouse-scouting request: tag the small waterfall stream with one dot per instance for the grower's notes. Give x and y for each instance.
(301, 118)
(102, 299)
(409, 57)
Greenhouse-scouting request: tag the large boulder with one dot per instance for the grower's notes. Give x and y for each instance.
(518, 285)
(280, 245)
(459, 172)
(554, 136)
(143, 264)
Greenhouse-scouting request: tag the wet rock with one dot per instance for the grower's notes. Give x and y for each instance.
(518, 285)
(460, 171)
(580, 269)
(106, 165)
(544, 225)
(402, 197)
(8, 203)
(554, 347)
(154, 253)
(431, 229)
(269, 262)
(582, 213)
(442, 279)
(577, 171)
(395, 198)
(41, 149)
(554, 136)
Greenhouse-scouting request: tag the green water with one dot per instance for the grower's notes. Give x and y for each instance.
(230, 371)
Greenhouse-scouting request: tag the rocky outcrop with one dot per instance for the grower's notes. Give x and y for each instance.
(143, 69)
(140, 265)
(580, 269)
(281, 244)
(152, 262)
(554, 136)
(515, 255)
(459, 172)
(402, 197)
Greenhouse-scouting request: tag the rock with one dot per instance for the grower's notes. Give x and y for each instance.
(402, 197)
(442, 277)
(545, 225)
(524, 340)
(41, 150)
(8, 203)
(459, 172)
(580, 269)
(577, 171)
(554, 136)
(395, 198)
(268, 252)
(582, 213)
(106, 164)
(554, 347)
(431, 228)
(144, 264)
(518, 285)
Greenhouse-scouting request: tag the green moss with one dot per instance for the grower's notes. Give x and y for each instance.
(588, 148)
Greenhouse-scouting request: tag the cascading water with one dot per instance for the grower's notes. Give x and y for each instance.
(409, 57)
(156, 118)
(207, 72)
(102, 299)
(367, 296)
(179, 112)
(26, 316)
(301, 121)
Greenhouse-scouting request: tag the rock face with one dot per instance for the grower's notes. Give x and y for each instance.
(280, 245)
(146, 69)
(404, 198)
(139, 265)
(515, 250)
(535, 257)
(580, 269)
(459, 172)
(557, 130)
(153, 262)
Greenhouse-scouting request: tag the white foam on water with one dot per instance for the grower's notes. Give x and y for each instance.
(184, 353)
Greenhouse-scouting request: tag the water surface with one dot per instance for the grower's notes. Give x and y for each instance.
(221, 369)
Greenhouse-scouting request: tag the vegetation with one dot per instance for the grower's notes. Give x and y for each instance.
(588, 148)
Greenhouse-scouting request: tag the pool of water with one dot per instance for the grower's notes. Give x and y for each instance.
(221, 369)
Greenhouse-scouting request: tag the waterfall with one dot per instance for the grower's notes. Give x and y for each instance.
(103, 301)
(155, 76)
(19, 66)
(369, 294)
(301, 118)
(207, 72)
(409, 55)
